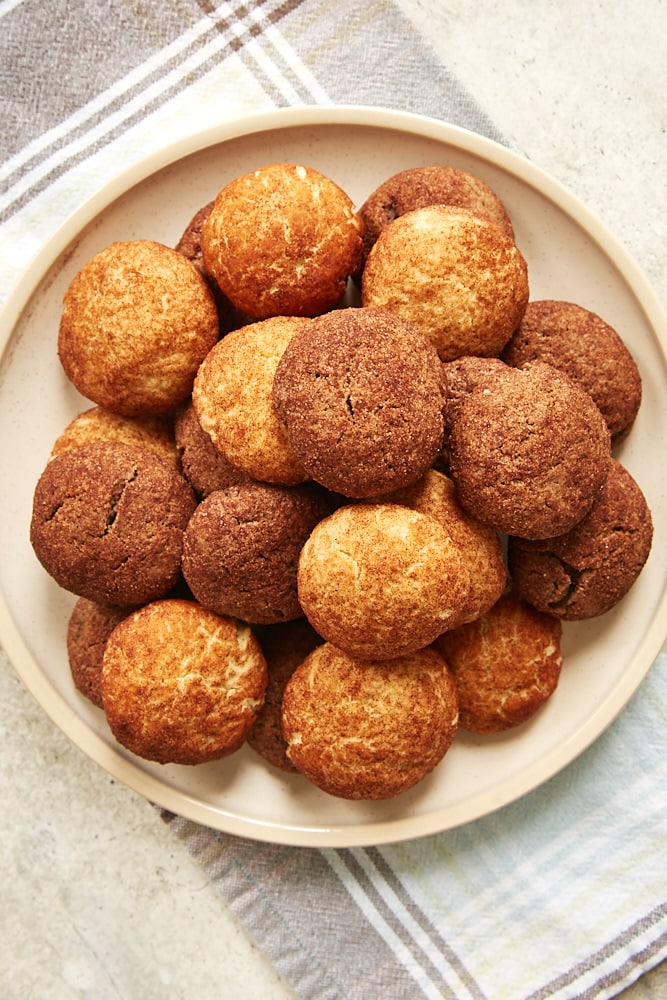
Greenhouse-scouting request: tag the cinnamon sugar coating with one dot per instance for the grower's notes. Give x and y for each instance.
(586, 571)
(88, 629)
(98, 424)
(529, 455)
(203, 465)
(457, 276)
(241, 548)
(282, 241)
(395, 722)
(108, 521)
(360, 394)
(505, 664)
(137, 320)
(181, 684)
(580, 343)
(381, 580)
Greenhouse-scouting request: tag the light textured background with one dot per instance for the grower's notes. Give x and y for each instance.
(98, 900)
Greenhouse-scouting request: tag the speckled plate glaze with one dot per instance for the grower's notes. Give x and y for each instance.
(570, 256)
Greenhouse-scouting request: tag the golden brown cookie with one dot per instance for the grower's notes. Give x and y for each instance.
(203, 465)
(108, 521)
(505, 664)
(233, 403)
(181, 684)
(137, 321)
(284, 646)
(529, 455)
(282, 241)
(457, 276)
(395, 722)
(380, 580)
(479, 544)
(88, 629)
(359, 391)
(586, 571)
(419, 187)
(241, 548)
(589, 350)
(97, 424)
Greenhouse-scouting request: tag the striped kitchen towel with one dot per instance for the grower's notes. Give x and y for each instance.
(561, 894)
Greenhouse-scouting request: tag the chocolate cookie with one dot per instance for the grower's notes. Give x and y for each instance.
(589, 350)
(505, 664)
(107, 522)
(233, 403)
(457, 276)
(420, 187)
(284, 646)
(359, 391)
(529, 455)
(203, 465)
(282, 241)
(586, 571)
(88, 629)
(241, 549)
(181, 684)
(394, 723)
(137, 321)
(382, 580)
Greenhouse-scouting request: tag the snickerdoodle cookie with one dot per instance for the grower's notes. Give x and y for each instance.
(529, 454)
(457, 275)
(435, 495)
(505, 664)
(360, 393)
(97, 424)
(138, 319)
(381, 580)
(233, 402)
(586, 571)
(181, 684)
(282, 241)
(241, 549)
(419, 187)
(369, 729)
(589, 350)
(108, 520)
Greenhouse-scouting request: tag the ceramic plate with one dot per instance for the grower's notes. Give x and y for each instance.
(570, 256)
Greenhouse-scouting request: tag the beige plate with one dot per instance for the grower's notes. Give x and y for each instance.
(570, 256)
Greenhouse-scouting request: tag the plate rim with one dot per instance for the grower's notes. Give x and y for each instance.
(132, 774)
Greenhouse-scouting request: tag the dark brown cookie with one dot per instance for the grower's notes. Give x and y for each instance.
(360, 393)
(505, 665)
(204, 466)
(181, 684)
(108, 520)
(456, 275)
(419, 187)
(282, 241)
(242, 545)
(138, 319)
(586, 572)
(589, 350)
(284, 646)
(369, 729)
(529, 455)
(89, 627)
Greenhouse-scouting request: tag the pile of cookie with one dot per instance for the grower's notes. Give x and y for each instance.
(341, 483)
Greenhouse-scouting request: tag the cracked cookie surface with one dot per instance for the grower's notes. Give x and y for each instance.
(108, 520)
